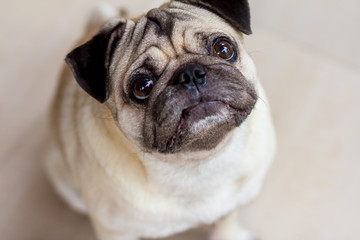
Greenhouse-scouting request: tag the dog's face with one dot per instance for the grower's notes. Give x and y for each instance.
(176, 79)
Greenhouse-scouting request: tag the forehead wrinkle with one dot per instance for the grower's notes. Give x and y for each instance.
(153, 59)
(182, 20)
(138, 33)
(145, 34)
(157, 60)
(161, 20)
(175, 10)
(152, 38)
(164, 29)
(116, 63)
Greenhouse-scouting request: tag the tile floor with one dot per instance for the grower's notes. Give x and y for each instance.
(307, 53)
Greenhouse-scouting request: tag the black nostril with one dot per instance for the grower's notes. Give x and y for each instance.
(186, 77)
(199, 73)
(190, 75)
(200, 76)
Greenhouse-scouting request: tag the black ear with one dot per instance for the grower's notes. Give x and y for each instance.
(89, 66)
(236, 12)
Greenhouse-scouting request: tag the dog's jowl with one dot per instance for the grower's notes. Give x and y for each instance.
(157, 125)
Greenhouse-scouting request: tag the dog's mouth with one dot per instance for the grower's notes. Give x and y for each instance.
(204, 120)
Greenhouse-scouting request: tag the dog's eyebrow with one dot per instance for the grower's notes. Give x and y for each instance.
(151, 65)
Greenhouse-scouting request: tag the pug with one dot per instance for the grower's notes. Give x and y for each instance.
(160, 123)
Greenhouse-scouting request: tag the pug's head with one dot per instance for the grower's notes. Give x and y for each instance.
(176, 79)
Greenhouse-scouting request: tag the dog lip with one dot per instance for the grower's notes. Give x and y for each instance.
(176, 138)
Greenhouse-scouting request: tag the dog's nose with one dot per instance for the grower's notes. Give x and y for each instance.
(190, 75)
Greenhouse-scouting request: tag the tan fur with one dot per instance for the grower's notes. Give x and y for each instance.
(99, 166)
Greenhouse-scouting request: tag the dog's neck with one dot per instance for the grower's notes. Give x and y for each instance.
(165, 170)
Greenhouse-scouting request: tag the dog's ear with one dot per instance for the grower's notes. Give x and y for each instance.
(237, 12)
(88, 62)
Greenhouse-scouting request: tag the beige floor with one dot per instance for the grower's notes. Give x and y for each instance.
(307, 53)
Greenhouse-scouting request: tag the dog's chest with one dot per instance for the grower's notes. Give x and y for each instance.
(164, 198)
(184, 197)
(183, 207)
(199, 197)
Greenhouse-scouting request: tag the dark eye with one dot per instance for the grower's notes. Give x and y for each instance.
(223, 49)
(142, 87)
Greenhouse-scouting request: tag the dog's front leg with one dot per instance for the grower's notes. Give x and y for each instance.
(229, 228)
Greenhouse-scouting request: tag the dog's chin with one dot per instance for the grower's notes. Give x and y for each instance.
(202, 127)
